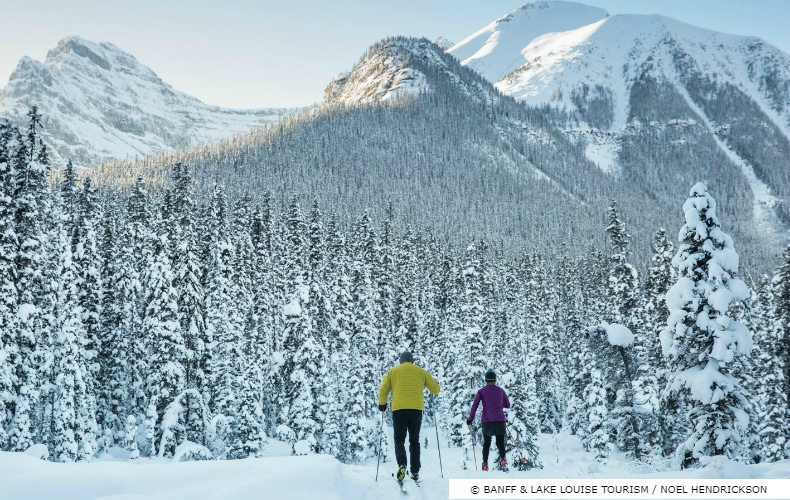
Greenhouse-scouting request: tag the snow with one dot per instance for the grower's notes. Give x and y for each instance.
(541, 53)
(82, 85)
(497, 49)
(280, 475)
(292, 308)
(24, 311)
(604, 153)
(618, 335)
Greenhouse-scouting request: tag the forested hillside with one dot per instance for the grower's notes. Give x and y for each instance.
(170, 311)
(457, 158)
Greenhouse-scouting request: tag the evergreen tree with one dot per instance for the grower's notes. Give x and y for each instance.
(701, 340)
(224, 322)
(73, 431)
(523, 423)
(782, 292)
(88, 262)
(467, 344)
(248, 435)
(548, 376)
(598, 434)
(120, 324)
(307, 369)
(166, 372)
(363, 341)
(32, 218)
(770, 404)
(667, 408)
(263, 311)
(9, 318)
(187, 276)
(138, 252)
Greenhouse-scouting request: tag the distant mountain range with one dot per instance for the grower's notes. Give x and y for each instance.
(617, 75)
(523, 132)
(100, 104)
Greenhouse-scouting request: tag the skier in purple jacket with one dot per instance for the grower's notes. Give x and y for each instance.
(494, 400)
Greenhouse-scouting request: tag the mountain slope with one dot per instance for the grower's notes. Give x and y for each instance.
(410, 125)
(621, 78)
(99, 103)
(446, 148)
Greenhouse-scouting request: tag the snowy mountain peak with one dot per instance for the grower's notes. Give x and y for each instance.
(495, 50)
(384, 73)
(552, 52)
(100, 104)
(403, 66)
(76, 51)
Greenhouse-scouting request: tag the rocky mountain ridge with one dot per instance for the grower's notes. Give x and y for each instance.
(100, 104)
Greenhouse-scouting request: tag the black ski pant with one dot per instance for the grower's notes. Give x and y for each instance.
(410, 421)
(493, 429)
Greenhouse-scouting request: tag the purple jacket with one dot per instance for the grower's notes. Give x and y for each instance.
(494, 399)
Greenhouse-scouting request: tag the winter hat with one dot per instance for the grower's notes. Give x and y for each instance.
(490, 375)
(406, 356)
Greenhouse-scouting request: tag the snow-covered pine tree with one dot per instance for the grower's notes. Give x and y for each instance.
(408, 306)
(248, 434)
(637, 427)
(9, 318)
(355, 445)
(364, 248)
(385, 283)
(660, 277)
(598, 434)
(320, 308)
(138, 252)
(307, 372)
(545, 340)
(224, 322)
(119, 322)
(341, 316)
(623, 282)
(522, 417)
(770, 406)
(447, 301)
(668, 408)
(468, 346)
(33, 216)
(613, 356)
(263, 310)
(782, 291)
(166, 373)
(72, 435)
(89, 264)
(701, 341)
(362, 338)
(187, 282)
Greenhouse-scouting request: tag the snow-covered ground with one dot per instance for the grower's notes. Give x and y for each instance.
(281, 476)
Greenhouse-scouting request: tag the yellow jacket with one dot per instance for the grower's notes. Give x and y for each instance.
(406, 382)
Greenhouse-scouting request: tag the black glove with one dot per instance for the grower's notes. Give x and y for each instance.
(382, 407)
(468, 421)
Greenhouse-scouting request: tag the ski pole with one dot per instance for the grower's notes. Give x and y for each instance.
(472, 435)
(381, 437)
(436, 426)
(523, 460)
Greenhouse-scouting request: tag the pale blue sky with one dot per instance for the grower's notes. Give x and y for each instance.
(270, 53)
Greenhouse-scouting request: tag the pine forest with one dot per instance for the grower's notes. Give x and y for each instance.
(149, 319)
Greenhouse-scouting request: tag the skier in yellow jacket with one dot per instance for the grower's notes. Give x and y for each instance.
(406, 382)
